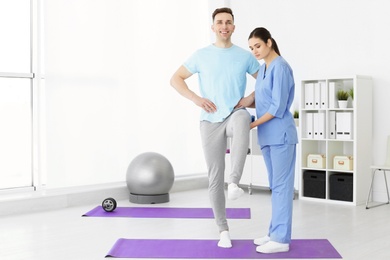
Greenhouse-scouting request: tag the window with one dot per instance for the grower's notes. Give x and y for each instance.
(15, 94)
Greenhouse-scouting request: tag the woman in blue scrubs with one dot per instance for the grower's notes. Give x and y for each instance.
(277, 136)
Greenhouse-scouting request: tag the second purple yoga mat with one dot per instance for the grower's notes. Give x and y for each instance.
(167, 212)
(208, 249)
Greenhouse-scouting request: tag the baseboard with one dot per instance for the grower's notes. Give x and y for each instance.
(34, 201)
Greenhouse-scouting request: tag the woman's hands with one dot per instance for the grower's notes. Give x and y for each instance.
(248, 101)
(264, 118)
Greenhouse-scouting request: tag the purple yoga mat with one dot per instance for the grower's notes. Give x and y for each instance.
(166, 212)
(208, 249)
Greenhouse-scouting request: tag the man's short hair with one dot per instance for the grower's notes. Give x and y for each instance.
(222, 10)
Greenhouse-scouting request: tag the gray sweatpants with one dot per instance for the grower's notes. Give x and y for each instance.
(214, 141)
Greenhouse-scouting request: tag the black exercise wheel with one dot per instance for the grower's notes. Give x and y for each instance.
(109, 204)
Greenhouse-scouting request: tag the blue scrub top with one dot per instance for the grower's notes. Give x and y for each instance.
(274, 93)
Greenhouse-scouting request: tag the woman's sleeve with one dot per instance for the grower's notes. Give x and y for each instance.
(280, 90)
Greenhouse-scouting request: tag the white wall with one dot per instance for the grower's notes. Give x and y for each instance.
(108, 65)
(330, 38)
(108, 98)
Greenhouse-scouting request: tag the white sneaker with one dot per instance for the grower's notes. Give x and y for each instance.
(262, 240)
(273, 247)
(234, 192)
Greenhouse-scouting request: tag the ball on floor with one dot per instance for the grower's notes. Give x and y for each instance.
(149, 178)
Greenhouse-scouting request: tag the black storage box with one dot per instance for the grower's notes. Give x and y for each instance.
(341, 186)
(314, 184)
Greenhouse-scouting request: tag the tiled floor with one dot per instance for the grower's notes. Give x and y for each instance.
(355, 232)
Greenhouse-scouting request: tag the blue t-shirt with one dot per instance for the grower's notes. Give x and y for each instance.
(222, 77)
(274, 93)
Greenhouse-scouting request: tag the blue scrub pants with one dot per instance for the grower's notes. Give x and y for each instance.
(280, 163)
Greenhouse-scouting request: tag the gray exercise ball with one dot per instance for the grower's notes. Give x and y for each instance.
(150, 173)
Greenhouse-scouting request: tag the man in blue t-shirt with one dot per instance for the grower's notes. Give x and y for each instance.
(221, 69)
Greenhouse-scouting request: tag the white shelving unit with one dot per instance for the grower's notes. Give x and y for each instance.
(329, 131)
